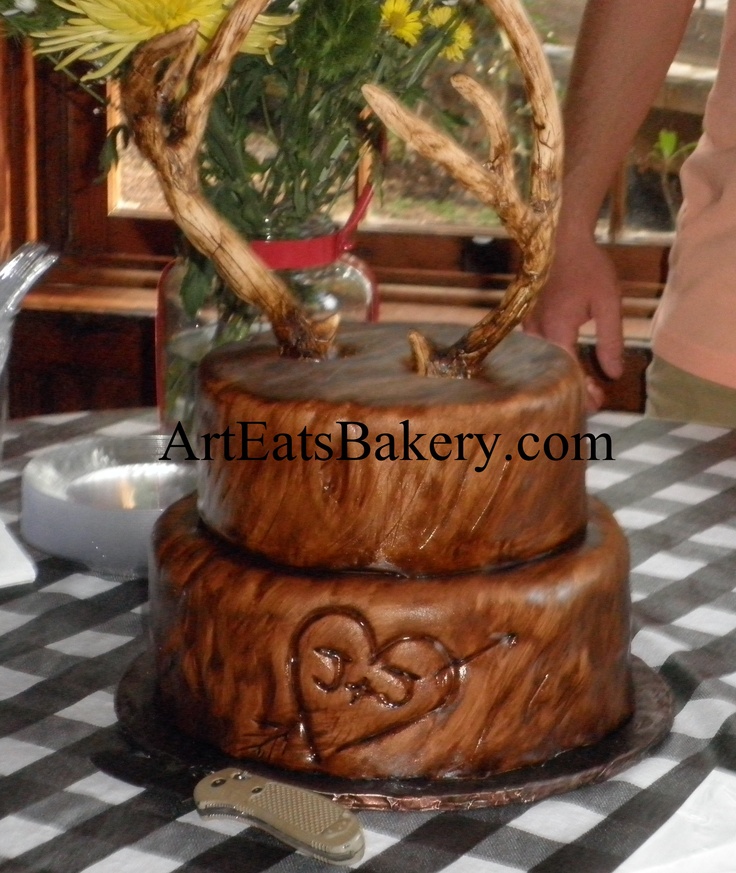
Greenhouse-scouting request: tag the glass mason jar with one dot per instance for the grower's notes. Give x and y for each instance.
(316, 266)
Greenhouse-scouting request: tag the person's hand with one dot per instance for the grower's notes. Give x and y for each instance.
(582, 286)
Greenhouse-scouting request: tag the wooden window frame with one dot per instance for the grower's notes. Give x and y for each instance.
(51, 136)
(17, 146)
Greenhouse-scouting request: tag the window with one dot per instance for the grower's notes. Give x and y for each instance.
(70, 207)
(417, 195)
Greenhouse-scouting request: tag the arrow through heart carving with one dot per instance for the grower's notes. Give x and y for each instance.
(350, 690)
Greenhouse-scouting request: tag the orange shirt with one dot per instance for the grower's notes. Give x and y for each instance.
(695, 323)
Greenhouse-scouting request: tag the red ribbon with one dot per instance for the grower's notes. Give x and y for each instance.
(318, 251)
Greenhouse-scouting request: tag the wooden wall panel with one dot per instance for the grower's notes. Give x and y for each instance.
(65, 362)
(17, 146)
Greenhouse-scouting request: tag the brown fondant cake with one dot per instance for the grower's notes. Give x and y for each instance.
(368, 675)
(391, 616)
(437, 482)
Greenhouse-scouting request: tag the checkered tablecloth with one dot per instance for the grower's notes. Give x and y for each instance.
(66, 641)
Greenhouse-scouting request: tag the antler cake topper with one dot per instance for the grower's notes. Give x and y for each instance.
(531, 225)
(166, 97)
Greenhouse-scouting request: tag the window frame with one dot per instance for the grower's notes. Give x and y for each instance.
(53, 133)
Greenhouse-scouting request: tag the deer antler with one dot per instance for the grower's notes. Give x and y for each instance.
(532, 225)
(166, 97)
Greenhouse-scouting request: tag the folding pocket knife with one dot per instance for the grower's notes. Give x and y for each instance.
(307, 821)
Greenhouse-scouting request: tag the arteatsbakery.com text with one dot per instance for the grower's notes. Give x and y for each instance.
(354, 441)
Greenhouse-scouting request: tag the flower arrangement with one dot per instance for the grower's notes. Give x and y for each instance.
(331, 50)
(289, 126)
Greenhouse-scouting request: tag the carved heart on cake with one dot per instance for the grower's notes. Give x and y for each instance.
(351, 690)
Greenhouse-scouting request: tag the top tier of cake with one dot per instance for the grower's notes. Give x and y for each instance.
(360, 463)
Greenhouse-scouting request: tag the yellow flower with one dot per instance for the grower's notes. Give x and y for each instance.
(404, 24)
(113, 29)
(462, 39)
(439, 16)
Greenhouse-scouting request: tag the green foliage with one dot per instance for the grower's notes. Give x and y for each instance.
(334, 38)
(666, 158)
(666, 144)
(668, 147)
(21, 17)
(284, 138)
(197, 283)
(117, 136)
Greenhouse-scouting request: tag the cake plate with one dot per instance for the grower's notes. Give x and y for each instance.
(164, 757)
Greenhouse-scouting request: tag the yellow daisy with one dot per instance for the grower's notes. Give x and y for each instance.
(462, 39)
(397, 16)
(439, 16)
(112, 29)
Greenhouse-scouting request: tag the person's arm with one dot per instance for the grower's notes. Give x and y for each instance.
(622, 56)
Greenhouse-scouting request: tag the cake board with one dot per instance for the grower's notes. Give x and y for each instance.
(173, 760)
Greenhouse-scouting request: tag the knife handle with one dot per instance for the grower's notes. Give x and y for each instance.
(309, 822)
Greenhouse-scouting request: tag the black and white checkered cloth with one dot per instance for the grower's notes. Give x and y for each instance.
(66, 641)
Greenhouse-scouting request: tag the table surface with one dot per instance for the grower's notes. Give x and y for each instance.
(66, 641)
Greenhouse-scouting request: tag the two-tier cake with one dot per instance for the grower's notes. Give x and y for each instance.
(391, 576)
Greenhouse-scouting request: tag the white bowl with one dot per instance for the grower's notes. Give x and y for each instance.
(96, 500)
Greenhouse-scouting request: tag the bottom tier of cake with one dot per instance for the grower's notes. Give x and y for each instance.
(368, 675)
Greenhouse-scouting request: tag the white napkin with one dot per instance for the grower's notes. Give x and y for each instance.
(699, 838)
(16, 568)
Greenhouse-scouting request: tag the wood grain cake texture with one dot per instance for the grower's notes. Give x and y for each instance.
(398, 508)
(364, 675)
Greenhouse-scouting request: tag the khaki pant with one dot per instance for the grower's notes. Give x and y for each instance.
(677, 395)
